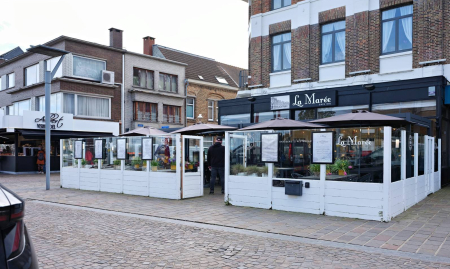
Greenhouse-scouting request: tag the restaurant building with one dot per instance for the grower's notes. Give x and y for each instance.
(86, 95)
(316, 59)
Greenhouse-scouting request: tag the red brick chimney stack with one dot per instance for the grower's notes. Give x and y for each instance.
(148, 45)
(115, 38)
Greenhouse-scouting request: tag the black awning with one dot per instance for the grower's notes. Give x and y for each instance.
(61, 134)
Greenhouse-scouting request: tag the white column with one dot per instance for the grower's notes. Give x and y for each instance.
(403, 167)
(432, 164)
(122, 168)
(426, 164)
(99, 164)
(227, 164)
(439, 162)
(416, 165)
(323, 174)
(387, 172)
(178, 158)
(61, 153)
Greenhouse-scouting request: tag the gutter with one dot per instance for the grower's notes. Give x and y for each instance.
(122, 104)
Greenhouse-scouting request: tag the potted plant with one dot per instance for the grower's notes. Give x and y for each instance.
(116, 164)
(137, 162)
(342, 166)
(252, 170)
(263, 171)
(190, 165)
(237, 170)
(173, 164)
(314, 169)
(144, 164)
(154, 165)
(76, 163)
(83, 163)
(96, 163)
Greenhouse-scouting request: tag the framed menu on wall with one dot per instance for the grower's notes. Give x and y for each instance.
(121, 148)
(147, 148)
(78, 149)
(323, 147)
(269, 148)
(99, 148)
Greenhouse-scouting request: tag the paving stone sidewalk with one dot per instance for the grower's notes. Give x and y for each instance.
(424, 228)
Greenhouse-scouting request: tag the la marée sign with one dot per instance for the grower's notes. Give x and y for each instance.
(304, 100)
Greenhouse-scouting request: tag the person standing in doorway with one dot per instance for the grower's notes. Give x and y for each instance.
(41, 160)
(216, 163)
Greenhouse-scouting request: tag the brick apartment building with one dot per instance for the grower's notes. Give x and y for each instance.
(86, 96)
(386, 56)
(207, 82)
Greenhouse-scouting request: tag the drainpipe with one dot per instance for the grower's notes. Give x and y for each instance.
(122, 104)
(186, 85)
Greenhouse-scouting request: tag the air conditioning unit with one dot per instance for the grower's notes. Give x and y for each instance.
(107, 77)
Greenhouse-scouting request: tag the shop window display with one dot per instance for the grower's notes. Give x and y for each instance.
(68, 154)
(164, 154)
(245, 155)
(110, 161)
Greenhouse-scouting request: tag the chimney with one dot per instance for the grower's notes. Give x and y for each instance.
(148, 45)
(115, 38)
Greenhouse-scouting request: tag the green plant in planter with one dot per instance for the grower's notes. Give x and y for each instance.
(264, 170)
(83, 162)
(331, 168)
(76, 162)
(96, 161)
(116, 162)
(314, 169)
(137, 161)
(237, 168)
(154, 163)
(253, 169)
(341, 164)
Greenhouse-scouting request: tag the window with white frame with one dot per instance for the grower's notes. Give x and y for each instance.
(20, 107)
(190, 108)
(10, 81)
(397, 32)
(333, 42)
(59, 103)
(276, 4)
(210, 110)
(51, 64)
(95, 107)
(10, 110)
(281, 52)
(217, 111)
(32, 75)
(88, 68)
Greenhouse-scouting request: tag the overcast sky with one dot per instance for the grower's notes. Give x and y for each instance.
(211, 28)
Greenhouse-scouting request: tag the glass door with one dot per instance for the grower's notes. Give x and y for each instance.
(192, 166)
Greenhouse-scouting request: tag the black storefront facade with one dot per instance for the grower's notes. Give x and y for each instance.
(420, 101)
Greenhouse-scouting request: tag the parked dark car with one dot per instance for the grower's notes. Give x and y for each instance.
(16, 249)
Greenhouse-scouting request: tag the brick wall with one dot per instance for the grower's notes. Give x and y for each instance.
(277, 28)
(357, 42)
(374, 41)
(446, 30)
(204, 93)
(332, 15)
(266, 61)
(300, 52)
(255, 61)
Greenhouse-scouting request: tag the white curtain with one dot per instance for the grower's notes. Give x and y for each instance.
(276, 58)
(407, 27)
(287, 56)
(92, 107)
(387, 31)
(326, 48)
(340, 38)
(69, 103)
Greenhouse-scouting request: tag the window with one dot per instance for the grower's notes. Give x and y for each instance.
(210, 110)
(92, 107)
(1, 86)
(145, 111)
(221, 80)
(171, 114)
(235, 119)
(281, 52)
(32, 75)
(143, 78)
(20, 107)
(305, 114)
(335, 111)
(190, 111)
(217, 111)
(88, 68)
(333, 42)
(397, 30)
(59, 103)
(51, 64)
(200, 77)
(10, 110)
(276, 4)
(266, 116)
(168, 83)
(10, 80)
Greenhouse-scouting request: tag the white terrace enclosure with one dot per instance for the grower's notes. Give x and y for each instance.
(378, 173)
(175, 171)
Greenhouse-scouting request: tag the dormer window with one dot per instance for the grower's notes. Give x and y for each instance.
(200, 77)
(221, 80)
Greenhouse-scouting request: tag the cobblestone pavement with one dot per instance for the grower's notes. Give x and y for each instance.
(79, 238)
(423, 229)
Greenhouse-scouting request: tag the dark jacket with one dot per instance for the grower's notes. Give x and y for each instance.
(216, 155)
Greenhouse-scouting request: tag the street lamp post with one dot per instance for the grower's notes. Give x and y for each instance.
(48, 76)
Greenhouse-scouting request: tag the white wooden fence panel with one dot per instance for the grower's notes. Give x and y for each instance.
(421, 188)
(309, 202)
(111, 181)
(257, 193)
(70, 178)
(89, 179)
(135, 183)
(410, 192)
(192, 185)
(164, 185)
(396, 198)
(437, 183)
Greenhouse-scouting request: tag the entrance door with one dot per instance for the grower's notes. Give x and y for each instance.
(429, 159)
(238, 150)
(192, 166)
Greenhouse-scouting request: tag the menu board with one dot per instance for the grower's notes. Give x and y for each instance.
(99, 149)
(269, 148)
(121, 148)
(323, 147)
(79, 149)
(147, 148)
